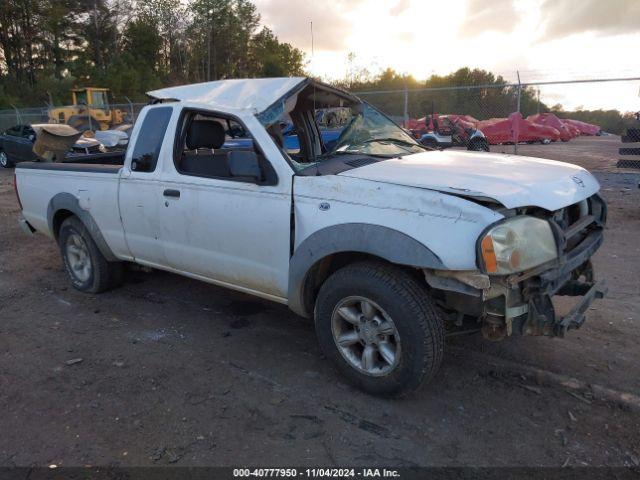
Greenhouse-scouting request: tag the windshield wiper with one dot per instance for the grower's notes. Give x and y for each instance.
(393, 140)
(354, 152)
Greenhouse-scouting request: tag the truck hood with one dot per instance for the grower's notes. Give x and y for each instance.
(513, 181)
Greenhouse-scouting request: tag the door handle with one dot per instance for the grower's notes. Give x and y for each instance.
(172, 193)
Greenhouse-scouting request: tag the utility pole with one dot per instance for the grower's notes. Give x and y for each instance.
(98, 44)
(210, 12)
(515, 140)
(406, 102)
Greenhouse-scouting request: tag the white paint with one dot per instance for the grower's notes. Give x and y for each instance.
(515, 181)
(238, 234)
(241, 94)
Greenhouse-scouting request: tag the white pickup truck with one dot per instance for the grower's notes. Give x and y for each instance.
(386, 244)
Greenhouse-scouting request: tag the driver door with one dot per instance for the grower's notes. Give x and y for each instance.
(229, 230)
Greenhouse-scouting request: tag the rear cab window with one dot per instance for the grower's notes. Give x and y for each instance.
(149, 139)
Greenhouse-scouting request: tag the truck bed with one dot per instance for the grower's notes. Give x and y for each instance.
(107, 158)
(71, 167)
(109, 162)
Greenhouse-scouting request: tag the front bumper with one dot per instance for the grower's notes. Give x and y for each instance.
(521, 303)
(524, 302)
(542, 318)
(564, 279)
(576, 317)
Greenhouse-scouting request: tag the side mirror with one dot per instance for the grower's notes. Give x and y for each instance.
(141, 163)
(244, 163)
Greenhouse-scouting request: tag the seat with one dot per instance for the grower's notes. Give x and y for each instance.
(204, 137)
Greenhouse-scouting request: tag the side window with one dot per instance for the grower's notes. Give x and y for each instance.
(216, 146)
(149, 140)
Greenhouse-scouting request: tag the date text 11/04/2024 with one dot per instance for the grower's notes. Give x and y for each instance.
(317, 472)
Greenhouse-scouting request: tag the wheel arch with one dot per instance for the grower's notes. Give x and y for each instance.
(331, 248)
(65, 205)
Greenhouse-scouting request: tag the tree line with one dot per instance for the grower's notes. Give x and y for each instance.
(490, 96)
(131, 46)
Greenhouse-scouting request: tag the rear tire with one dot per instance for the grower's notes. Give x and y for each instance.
(5, 161)
(429, 142)
(87, 268)
(388, 348)
(478, 145)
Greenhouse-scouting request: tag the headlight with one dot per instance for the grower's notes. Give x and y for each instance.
(516, 245)
(102, 148)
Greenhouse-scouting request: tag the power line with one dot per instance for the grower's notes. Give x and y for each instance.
(501, 85)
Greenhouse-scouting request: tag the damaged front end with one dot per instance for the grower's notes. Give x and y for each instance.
(501, 304)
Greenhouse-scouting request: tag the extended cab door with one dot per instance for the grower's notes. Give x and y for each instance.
(231, 230)
(140, 198)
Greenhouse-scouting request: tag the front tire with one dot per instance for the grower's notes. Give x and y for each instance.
(88, 270)
(378, 326)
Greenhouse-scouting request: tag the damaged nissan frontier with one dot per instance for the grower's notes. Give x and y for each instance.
(389, 246)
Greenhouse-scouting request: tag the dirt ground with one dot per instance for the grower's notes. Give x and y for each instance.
(167, 370)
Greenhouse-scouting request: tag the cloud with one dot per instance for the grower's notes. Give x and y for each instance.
(400, 7)
(290, 20)
(482, 16)
(610, 17)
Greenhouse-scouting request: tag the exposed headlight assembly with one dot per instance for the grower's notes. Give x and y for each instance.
(516, 244)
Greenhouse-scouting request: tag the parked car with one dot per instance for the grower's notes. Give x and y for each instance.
(506, 130)
(112, 139)
(290, 141)
(444, 131)
(550, 120)
(384, 243)
(584, 127)
(17, 143)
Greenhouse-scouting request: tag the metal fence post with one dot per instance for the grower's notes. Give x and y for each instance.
(15, 109)
(133, 117)
(515, 140)
(406, 104)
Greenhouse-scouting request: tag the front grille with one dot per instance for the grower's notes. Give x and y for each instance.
(573, 224)
(578, 229)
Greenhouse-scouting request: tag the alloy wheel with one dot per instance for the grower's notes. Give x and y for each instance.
(78, 257)
(366, 336)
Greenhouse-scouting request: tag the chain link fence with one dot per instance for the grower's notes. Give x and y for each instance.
(509, 114)
(21, 116)
(513, 114)
(24, 116)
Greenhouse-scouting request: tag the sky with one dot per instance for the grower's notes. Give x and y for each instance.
(542, 39)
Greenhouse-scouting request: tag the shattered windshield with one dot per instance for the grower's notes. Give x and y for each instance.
(318, 125)
(371, 133)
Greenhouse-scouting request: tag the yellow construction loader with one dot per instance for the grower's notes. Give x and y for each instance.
(90, 110)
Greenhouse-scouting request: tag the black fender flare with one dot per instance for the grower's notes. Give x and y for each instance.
(67, 201)
(386, 243)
